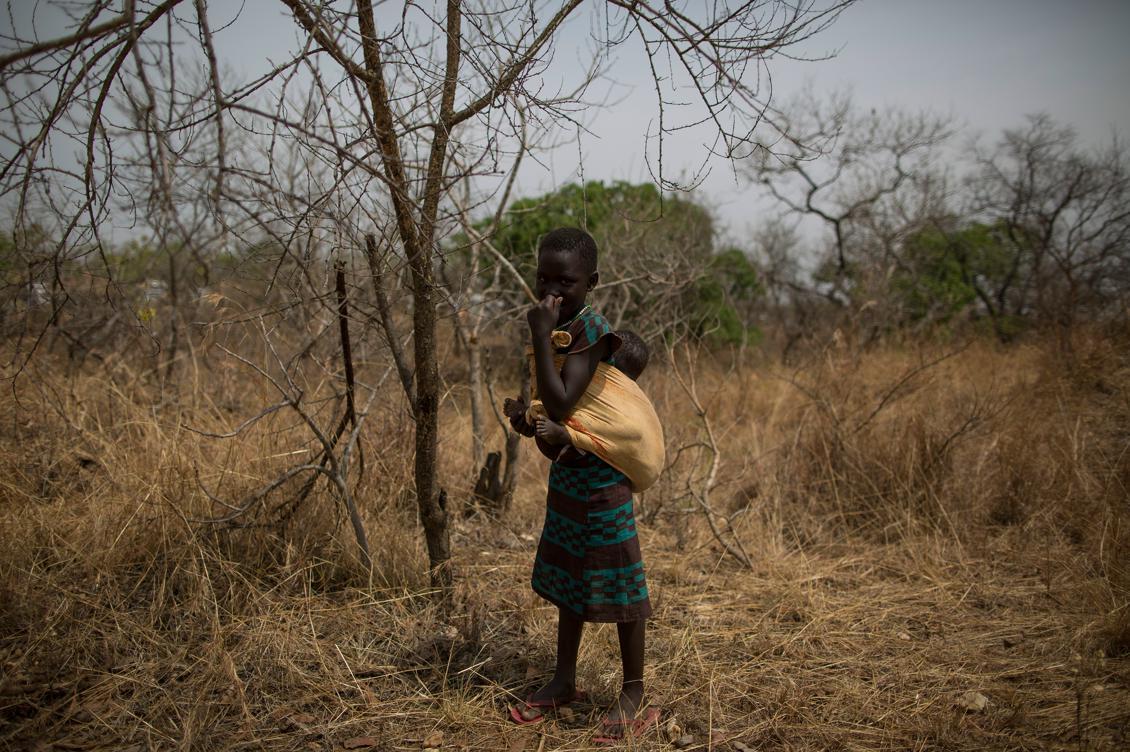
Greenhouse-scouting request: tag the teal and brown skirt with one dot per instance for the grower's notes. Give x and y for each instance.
(588, 559)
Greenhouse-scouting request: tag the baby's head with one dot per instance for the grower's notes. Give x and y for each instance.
(633, 354)
(566, 268)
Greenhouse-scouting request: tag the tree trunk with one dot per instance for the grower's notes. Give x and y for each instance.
(432, 514)
(513, 453)
(475, 358)
(350, 414)
(417, 237)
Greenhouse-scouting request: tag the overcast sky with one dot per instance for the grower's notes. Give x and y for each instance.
(985, 62)
(988, 63)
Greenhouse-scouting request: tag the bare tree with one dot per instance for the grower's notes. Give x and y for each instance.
(789, 305)
(1062, 221)
(701, 479)
(490, 288)
(869, 179)
(379, 105)
(1036, 228)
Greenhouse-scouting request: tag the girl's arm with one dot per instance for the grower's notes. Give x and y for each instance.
(550, 451)
(559, 391)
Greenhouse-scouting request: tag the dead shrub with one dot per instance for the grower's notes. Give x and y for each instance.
(914, 534)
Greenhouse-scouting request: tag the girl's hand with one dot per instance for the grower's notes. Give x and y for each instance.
(543, 316)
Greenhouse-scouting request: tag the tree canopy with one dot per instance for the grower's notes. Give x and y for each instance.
(659, 265)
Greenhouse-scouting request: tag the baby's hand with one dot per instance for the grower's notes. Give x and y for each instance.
(512, 408)
(550, 432)
(515, 410)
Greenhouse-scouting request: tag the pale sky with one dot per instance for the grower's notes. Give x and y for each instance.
(988, 63)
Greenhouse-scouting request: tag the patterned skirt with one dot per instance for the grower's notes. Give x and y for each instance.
(588, 559)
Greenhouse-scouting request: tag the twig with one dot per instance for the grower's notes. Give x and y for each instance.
(702, 495)
(387, 323)
(242, 426)
(889, 395)
(346, 349)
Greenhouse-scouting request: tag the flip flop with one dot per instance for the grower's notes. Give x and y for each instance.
(628, 727)
(521, 713)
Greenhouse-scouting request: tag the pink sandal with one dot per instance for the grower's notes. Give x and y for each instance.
(530, 710)
(628, 727)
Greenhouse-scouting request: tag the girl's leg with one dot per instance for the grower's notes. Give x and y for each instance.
(631, 634)
(564, 681)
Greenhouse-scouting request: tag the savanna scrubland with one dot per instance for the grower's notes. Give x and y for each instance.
(934, 541)
(247, 494)
(894, 514)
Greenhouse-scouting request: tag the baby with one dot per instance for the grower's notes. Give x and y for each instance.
(631, 358)
(613, 417)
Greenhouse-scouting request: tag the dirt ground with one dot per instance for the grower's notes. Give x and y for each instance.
(944, 572)
(926, 647)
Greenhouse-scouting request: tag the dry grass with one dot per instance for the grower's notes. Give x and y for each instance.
(970, 536)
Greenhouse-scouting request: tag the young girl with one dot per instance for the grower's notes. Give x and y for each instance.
(588, 560)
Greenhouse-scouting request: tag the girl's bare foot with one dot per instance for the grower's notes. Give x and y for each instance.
(556, 693)
(628, 704)
(557, 690)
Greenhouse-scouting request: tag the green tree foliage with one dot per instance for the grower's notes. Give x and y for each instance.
(10, 266)
(934, 285)
(658, 258)
(950, 272)
(724, 299)
(612, 213)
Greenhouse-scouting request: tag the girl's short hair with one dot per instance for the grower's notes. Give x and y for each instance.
(633, 354)
(571, 240)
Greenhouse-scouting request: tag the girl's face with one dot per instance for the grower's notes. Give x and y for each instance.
(563, 274)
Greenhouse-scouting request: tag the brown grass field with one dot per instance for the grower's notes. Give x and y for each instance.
(921, 536)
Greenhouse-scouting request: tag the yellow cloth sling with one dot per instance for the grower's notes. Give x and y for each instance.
(615, 420)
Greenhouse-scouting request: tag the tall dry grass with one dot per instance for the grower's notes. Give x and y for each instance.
(920, 522)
